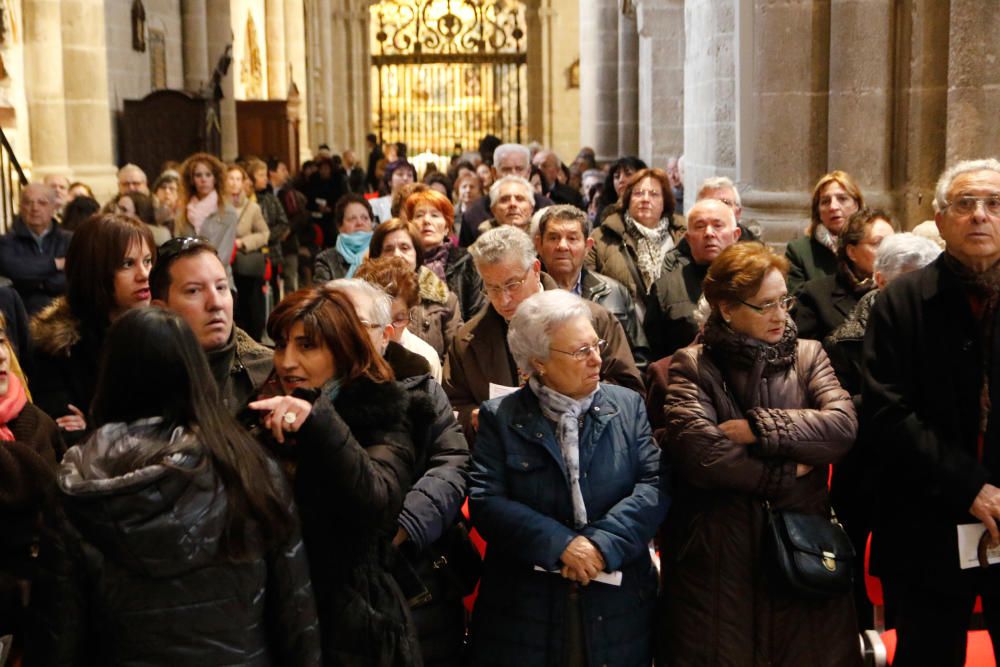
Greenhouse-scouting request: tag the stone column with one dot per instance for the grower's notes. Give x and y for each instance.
(43, 83)
(973, 81)
(220, 33)
(534, 124)
(277, 70)
(322, 97)
(709, 92)
(628, 81)
(599, 77)
(85, 86)
(661, 79)
(861, 95)
(194, 31)
(340, 80)
(782, 120)
(360, 66)
(295, 54)
(921, 105)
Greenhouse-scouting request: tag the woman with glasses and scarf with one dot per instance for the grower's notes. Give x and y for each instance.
(824, 303)
(629, 245)
(567, 490)
(753, 414)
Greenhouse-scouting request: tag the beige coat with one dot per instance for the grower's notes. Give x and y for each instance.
(252, 228)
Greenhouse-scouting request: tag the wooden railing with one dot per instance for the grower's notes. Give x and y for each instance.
(12, 180)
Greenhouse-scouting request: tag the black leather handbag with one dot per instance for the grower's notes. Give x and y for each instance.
(811, 553)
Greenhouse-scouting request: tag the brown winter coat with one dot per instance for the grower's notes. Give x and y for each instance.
(437, 317)
(614, 255)
(720, 605)
(479, 355)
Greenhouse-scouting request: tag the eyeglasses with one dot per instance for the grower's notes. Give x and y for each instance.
(652, 194)
(785, 303)
(401, 321)
(583, 353)
(967, 204)
(370, 325)
(496, 291)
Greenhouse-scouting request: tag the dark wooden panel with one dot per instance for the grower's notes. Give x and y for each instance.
(167, 125)
(265, 129)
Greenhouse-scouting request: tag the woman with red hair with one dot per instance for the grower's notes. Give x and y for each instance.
(434, 217)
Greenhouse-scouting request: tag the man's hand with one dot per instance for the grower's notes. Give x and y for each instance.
(75, 421)
(60, 263)
(738, 430)
(582, 561)
(801, 469)
(474, 419)
(986, 508)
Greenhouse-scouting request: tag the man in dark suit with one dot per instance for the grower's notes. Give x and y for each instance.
(551, 167)
(932, 375)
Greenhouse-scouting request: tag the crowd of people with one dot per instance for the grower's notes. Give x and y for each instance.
(249, 418)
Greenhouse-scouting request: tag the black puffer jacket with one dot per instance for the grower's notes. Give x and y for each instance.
(433, 585)
(354, 463)
(133, 575)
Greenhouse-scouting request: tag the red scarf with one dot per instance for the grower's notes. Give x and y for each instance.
(11, 405)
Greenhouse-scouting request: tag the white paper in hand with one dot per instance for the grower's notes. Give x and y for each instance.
(498, 390)
(609, 578)
(969, 535)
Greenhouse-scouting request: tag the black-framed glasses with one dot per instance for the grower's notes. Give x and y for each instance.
(583, 353)
(507, 288)
(967, 204)
(785, 303)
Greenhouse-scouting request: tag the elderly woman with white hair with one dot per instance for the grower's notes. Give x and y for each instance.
(567, 489)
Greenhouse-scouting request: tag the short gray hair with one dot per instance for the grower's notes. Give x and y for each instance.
(132, 167)
(904, 252)
(562, 212)
(380, 310)
(702, 203)
(717, 183)
(530, 331)
(503, 150)
(520, 180)
(956, 170)
(502, 243)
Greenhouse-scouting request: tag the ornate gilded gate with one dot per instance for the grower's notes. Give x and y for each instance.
(447, 72)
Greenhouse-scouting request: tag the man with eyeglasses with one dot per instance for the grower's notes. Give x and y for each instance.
(479, 355)
(932, 381)
(670, 322)
(189, 279)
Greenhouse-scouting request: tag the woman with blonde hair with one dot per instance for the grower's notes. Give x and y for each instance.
(835, 198)
(250, 264)
(203, 209)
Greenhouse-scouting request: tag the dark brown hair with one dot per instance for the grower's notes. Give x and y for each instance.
(328, 318)
(340, 208)
(857, 227)
(394, 276)
(737, 273)
(94, 256)
(669, 203)
(187, 180)
(396, 225)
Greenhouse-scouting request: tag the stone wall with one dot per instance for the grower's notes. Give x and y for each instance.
(660, 25)
(561, 104)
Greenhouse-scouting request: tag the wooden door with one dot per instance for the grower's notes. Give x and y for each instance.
(266, 129)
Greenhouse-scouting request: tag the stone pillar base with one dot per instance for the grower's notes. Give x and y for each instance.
(780, 216)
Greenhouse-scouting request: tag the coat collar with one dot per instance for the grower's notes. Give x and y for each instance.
(527, 421)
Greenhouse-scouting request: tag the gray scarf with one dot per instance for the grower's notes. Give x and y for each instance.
(567, 413)
(651, 246)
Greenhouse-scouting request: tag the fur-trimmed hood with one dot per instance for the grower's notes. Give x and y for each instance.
(432, 288)
(55, 330)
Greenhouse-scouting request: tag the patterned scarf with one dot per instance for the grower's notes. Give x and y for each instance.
(823, 236)
(353, 248)
(651, 246)
(567, 414)
(436, 259)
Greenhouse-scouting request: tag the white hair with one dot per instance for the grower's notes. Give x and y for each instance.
(530, 331)
(520, 180)
(718, 183)
(131, 167)
(503, 150)
(904, 252)
(502, 243)
(956, 170)
(379, 302)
